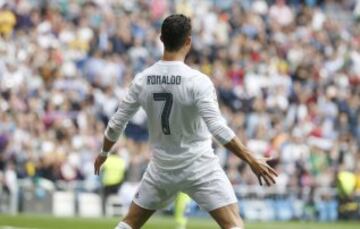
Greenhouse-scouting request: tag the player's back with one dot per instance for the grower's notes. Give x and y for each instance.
(178, 134)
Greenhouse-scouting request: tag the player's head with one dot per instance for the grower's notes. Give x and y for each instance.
(176, 33)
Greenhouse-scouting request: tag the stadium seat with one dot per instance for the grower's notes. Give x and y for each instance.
(89, 205)
(64, 204)
(114, 206)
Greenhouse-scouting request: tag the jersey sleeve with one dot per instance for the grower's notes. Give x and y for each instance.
(127, 108)
(206, 102)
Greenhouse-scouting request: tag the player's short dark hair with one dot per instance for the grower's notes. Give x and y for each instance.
(174, 31)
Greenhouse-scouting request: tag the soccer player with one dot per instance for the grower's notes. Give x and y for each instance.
(183, 113)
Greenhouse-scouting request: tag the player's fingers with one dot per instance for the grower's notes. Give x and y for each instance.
(271, 170)
(271, 178)
(259, 178)
(271, 175)
(268, 177)
(267, 180)
(96, 169)
(268, 170)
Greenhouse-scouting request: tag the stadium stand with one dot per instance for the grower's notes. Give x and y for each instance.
(287, 75)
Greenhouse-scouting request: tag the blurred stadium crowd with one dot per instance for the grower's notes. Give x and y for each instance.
(287, 75)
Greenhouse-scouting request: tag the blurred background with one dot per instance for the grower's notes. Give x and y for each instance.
(287, 75)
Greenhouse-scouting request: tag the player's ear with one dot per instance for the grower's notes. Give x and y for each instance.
(188, 41)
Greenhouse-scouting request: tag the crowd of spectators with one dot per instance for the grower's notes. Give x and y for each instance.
(287, 75)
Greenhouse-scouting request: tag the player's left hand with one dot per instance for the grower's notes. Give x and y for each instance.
(263, 170)
(98, 162)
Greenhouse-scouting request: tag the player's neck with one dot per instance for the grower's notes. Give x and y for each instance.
(173, 56)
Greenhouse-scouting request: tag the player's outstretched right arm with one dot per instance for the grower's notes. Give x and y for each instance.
(117, 123)
(206, 102)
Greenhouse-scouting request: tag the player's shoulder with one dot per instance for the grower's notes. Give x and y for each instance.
(200, 79)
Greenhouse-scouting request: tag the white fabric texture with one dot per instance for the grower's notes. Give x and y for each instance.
(204, 181)
(123, 225)
(182, 111)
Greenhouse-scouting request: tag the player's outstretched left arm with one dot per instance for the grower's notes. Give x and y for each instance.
(206, 102)
(258, 165)
(127, 108)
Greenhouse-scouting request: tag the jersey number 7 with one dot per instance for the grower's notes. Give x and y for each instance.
(168, 98)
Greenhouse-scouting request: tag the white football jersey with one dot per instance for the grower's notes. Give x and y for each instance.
(182, 110)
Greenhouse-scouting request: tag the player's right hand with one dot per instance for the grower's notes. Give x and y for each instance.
(98, 162)
(263, 171)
